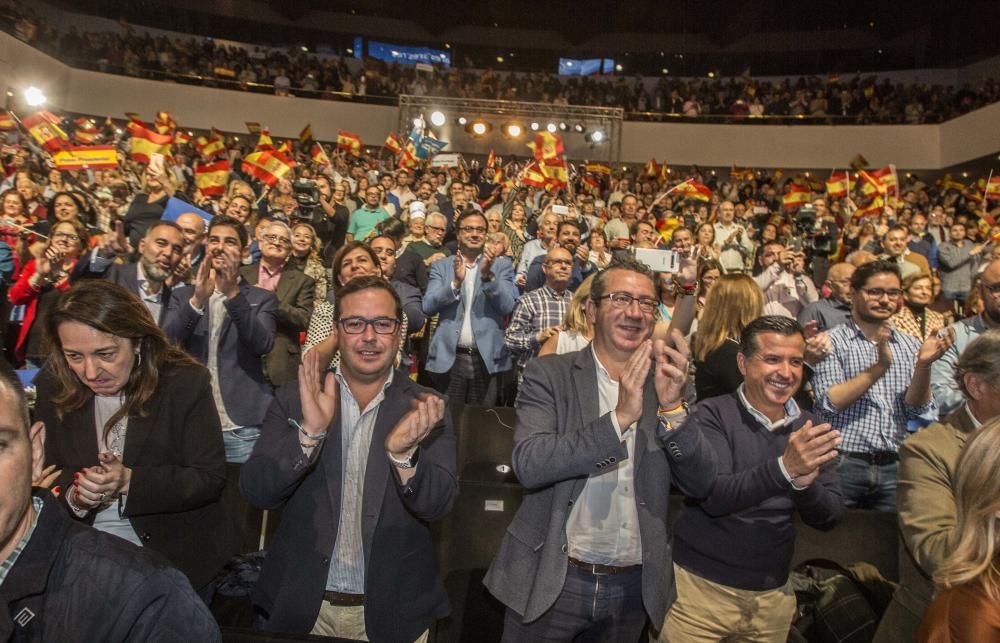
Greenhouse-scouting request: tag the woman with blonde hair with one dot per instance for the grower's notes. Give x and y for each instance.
(915, 316)
(732, 302)
(305, 256)
(968, 608)
(576, 331)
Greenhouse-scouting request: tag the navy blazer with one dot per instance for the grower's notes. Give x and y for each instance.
(247, 335)
(404, 594)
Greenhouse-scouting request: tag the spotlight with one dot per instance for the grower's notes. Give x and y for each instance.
(597, 136)
(418, 122)
(513, 130)
(478, 128)
(551, 127)
(578, 128)
(619, 67)
(34, 96)
(437, 119)
(462, 120)
(535, 126)
(563, 127)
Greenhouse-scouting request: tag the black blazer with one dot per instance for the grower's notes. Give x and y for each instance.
(295, 293)
(123, 274)
(178, 468)
(404, 594)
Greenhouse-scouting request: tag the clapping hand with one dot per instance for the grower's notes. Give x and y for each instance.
(631, 384)
(934, 347)
(670, 373)
(459, 271)
(319, 394)
(425, 412)
(809, 448)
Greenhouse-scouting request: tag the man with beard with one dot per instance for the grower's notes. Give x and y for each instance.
(946, 395)
(160, 253)
(568, 238)
(874, 382)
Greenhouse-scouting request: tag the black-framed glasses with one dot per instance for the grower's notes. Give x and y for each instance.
(278, 241)
(381, 325)
(879, 293)
(624, 300)
(68, 236)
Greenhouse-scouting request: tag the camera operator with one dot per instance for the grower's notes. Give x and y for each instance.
(331, 218)
(787, 288)
(819, 231)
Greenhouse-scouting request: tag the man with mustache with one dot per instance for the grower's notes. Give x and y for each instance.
(874, 386)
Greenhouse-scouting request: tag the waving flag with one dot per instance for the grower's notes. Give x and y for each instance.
(797, 196)
(6, 122)
(838, 185)
(144, 143)
(694, 190)
(44, 128)
(211, 178)
(269, 166)
(86, 131)
(350, 142)
(264, 143)
(547, 146)
(392, 143)
(319, 156)
(306, 134)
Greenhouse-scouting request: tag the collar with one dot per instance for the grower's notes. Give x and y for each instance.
(344, 386)
(836, 303)
(601, 371)
(263, 266)
(5, 566)
(142, 280)
(792, 412)
(975, 421)
(552, 294)
(893, 333)
(30, 575)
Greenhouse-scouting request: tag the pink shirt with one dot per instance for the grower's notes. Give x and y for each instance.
(268, 280)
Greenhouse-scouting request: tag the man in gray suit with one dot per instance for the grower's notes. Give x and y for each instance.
(600, 437)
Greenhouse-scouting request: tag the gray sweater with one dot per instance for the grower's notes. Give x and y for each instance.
(956, 267)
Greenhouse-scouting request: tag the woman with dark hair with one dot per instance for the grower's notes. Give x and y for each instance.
(132, 424)
(65, 206)
(40, 283)
(13, 213)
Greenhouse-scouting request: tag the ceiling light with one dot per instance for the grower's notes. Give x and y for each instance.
(551, 127)
(437, 119)
(34, 96)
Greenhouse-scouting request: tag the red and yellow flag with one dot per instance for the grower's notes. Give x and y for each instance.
(44, 128)
(392, 143)
(350, 142)
(408, 156)
(285, 147)
(555, 172)
(870, 184)
(144, 143)
(306, 134)
(598, 168)
(797, 196)
(652, 169)
(873, 209)
(91, 157)
(547, 146)
(838, 185)
(165, 123)
(268, 166)
(319, 156)
(264, 143)
(210, 147)
(7, 123)
(85, 131)
(182, 137)
(694, 190)
(211, 178)
(993, 188)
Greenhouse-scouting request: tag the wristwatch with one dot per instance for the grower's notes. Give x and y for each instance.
(408, 463)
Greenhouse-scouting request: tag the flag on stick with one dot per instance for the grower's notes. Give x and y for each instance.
(268, 166)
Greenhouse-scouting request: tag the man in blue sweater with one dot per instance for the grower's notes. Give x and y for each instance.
(732, 551)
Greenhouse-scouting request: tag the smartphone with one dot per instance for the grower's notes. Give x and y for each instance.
(561, 210)
(658, 260)
(811, 328)
(156, 163)
(796, 245)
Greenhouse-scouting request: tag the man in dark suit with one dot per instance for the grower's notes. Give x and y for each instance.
(600, 437)
(229, 326)
(295, 292)
(362, 460)
(160, 252)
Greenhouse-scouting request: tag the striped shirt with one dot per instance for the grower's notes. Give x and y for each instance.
(877, 421)
(347, 564)
(538, 309)
(8, 563)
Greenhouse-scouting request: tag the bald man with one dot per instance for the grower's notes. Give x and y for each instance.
(192, 227)
(541, 311)
(835, 308)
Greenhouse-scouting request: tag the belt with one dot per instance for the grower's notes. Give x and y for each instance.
(467, 350)
(343, 600)
(878, 458)
(603, 570)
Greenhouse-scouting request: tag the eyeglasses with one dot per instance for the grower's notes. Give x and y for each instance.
(879, 293)
(624, 300)
(473, 229)
(278, 241)
(65, 235)
(993, 289)
(435, 227)
(381, 325)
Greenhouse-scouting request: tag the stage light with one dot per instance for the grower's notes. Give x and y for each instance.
(418, 122)
(535, 126)
(437, 119)
(513, 130)
(595, 137)
(563, 127)
(478, 128)
(551, 127)
(462, 120)
(619, 67)
(34, 96)
(578, 128)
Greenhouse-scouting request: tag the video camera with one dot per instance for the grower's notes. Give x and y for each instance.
(306, 194)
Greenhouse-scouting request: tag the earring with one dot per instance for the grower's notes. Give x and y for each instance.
(138, 358)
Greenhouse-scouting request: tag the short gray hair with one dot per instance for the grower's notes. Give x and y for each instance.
(981, 357)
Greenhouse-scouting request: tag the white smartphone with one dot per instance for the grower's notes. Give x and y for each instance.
(658, 260)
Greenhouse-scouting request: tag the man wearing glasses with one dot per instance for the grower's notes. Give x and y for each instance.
(946, 394)
(472, 295)
(600, 436)
(362, 458)
(431, 247)
(295, 292)
(874, 386)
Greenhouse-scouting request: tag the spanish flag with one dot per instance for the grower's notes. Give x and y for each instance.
(532, 175)
(7, 123)
(350, 142)
(392, 143)
(253, 128)
(91, 157)
(873, 209)
(948, 183)
(269, 166)
(165, 123)
(210, 147)
(264, 143)
(408, 156)
(144, 143)
(664, 174)
(285, 147)
(598, 168)
(182, 138)
(319, 156)
(870, 184)
(694, 190)
(211, 178)
(554, 170)
(652, 169)
(797, 196)
(838, 185)
(44, 128)
(547, 146)
(86, 131)
(306, 134)
(993, 188)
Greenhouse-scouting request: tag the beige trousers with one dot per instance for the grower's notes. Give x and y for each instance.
(346, 622)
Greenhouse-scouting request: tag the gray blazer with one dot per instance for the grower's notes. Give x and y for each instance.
(559, 440)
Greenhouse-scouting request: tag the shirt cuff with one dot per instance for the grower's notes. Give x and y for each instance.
(99, 263)
(200, 311)
(614, 423)
(784, 472)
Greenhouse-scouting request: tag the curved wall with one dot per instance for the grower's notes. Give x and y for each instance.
(915, 147)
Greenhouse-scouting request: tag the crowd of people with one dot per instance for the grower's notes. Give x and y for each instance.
(855, 99)
(307, 332)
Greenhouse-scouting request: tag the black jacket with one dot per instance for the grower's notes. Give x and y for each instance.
(74, 583)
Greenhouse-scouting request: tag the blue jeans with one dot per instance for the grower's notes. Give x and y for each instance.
(239, 443)
(591, 607)
(868, 486)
